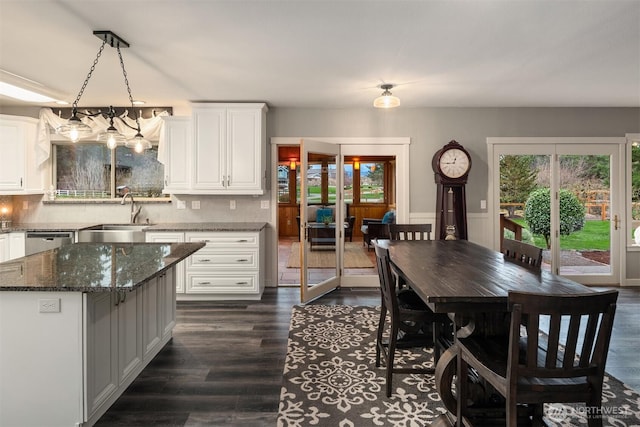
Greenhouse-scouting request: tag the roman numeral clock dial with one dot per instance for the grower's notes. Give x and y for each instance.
(451, 165)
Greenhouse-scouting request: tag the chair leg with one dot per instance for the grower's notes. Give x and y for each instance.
(381, 323)
(512, 410)
(391, 353)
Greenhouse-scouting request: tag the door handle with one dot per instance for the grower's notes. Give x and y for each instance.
(615, 222)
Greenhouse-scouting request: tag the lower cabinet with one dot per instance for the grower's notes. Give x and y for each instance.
(230, 266)
(12, 245)
(125, 330)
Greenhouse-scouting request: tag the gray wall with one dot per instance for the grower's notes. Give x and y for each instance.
(428, 128)
(431, 128)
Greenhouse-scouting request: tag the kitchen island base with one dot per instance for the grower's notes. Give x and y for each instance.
(67, 367)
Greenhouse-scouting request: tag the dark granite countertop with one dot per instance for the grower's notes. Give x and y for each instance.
(208, 226)
(92, 267)
(170, 226)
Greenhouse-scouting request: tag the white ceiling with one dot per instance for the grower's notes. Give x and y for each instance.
(309, 53)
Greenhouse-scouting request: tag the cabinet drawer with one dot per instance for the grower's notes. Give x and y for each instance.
(224, 240)
(235, 260)
(222, 283)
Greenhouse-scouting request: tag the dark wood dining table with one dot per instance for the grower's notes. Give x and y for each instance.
(472, 283)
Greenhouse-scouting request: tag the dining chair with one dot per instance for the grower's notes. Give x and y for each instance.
(376, 230)
(556, 353)
(442, 325)
(410, 231)
(522, 253)
(407, 313)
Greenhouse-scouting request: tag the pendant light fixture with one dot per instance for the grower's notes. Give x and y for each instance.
(386, 100)
(75, 129)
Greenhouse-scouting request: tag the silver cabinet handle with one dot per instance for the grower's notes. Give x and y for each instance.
(242, 283)
(242, 260)
(204, 283)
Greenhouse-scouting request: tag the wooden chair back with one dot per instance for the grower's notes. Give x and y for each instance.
(556, 353)
(387, 280)
(410, 231)
(527, 255)
(577, 332)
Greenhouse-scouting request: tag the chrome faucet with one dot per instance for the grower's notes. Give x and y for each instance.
(134, 210)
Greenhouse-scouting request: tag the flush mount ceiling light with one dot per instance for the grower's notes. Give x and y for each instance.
(386, 100)
(76, 129)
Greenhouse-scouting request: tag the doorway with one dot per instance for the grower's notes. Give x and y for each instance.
(563, 195)
(287, 210)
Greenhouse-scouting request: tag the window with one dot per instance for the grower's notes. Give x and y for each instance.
(93, 171)
(372, 182)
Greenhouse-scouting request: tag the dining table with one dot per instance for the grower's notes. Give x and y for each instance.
(471, 283)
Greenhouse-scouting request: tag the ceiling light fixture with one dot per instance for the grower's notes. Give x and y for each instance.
(386, 100)
(75, 129)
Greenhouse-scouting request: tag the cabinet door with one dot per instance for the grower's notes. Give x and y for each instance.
(177, 161)
(16, 245)
(151, 322)
(102, 350)
(245, 163)
(129, 335)
(4, 247)
(168, 303)
(170, 237)
(12, 147)
(210, 129)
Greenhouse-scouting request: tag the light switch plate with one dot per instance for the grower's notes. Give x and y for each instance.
(483, 204)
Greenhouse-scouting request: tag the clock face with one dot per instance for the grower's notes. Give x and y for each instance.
(454, 163)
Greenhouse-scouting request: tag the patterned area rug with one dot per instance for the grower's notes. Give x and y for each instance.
(330, 378)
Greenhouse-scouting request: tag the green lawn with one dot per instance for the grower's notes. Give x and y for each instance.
(594, 236)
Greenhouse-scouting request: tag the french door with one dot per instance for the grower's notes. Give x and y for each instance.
(321, 238)
(583, 242)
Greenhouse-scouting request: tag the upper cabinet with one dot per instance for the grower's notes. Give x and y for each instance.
(19, 173)
(221, 152)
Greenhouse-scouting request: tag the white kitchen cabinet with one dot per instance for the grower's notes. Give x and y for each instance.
(4, 247)
(19, 173)
(11, 245)
(170, 237)
(225, 150)
(152, 306)
(177, 159)
(16, 244)
(130, 322)
(114, 345)
(230, 266)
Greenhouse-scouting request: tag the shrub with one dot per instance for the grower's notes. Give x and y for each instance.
(537, 213)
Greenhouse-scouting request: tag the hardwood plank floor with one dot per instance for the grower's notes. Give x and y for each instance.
(224, 365)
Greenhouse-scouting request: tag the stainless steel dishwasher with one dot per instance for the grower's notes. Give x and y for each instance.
(38, 241)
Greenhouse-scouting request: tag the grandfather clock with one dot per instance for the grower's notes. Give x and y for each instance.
(451, 165)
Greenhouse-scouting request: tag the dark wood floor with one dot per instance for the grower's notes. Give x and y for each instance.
(224, 365)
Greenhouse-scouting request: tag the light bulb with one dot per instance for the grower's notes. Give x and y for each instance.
(111, 142)
(73, 134)
(138, 148)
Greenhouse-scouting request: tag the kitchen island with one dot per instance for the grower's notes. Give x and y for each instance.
(78, 324)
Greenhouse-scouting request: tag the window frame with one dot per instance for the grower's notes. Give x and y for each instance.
(113, 192)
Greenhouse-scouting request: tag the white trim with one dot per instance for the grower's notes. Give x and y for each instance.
(553, 146)
(392, 146)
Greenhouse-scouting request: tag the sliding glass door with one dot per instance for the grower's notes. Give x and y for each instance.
(563, 196)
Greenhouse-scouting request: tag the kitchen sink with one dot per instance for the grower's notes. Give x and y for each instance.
(113, 233)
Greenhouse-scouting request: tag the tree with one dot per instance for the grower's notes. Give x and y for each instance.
(517, 179)
(537, 213)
